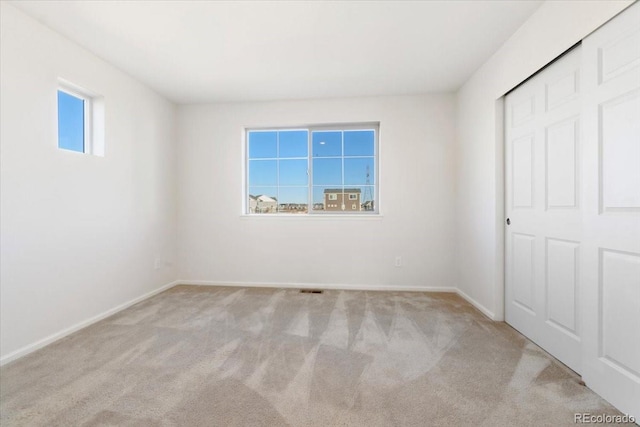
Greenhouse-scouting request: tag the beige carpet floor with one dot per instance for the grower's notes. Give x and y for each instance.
(207, 356)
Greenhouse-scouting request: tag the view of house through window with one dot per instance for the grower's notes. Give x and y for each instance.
(312, 170)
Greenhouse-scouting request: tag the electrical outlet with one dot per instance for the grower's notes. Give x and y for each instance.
(398, 262)
(157, 264)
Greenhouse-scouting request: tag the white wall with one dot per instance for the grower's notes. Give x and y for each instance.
(551, 30)
(218, 245)
(79, 233)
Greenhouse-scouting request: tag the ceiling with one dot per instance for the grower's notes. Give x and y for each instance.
(219, 51)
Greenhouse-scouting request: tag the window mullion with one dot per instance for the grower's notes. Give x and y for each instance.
(344, 205)
(309, 173)
(278, 172)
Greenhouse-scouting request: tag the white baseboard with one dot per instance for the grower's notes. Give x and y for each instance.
(343, 287)
(477, 305)
(55, 337)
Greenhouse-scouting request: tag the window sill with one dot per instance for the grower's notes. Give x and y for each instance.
(305, 217)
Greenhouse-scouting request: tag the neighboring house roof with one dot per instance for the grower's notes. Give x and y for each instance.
(339, 190)
(262, 198)
(266, 199)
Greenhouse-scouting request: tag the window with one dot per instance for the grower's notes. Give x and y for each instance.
(299, 170)
(71, 122)
(80, 120)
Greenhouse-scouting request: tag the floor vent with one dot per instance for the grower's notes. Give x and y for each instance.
(311, 291)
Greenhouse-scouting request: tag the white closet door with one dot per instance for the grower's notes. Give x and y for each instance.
(611, 249)
(543, 182)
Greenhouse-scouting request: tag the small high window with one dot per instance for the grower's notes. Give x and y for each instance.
(80, 120)
(71, 122)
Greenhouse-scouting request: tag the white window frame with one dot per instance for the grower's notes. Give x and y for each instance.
(344, 127)
(93, 117)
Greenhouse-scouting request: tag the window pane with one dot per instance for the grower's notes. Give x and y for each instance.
(327, 144)
(263, 145)
(327, 171)
(359, 143)
(263, 200)
(293, 172)
(70, 122)
(327, 198)
(293, 143)
(262, 173)
(359, 171)
(293, 199)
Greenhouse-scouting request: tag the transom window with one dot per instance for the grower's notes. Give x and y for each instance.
(316, 169)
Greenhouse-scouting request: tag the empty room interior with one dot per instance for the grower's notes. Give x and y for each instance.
(319, 213)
